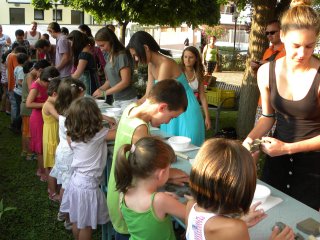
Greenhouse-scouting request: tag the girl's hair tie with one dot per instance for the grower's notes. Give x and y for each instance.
(75, 85)
(133, 148)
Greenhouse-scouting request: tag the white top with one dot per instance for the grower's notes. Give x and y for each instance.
(196, 222)
(90, 158)
(194, 85)
(33, 39)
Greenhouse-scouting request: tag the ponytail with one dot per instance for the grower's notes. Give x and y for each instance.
(123, 172)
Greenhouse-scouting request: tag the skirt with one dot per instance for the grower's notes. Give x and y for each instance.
(84, 201)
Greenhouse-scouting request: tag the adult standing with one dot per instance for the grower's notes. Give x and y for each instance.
(290, 92)
(210, 55)
(32, 36)
(63, 59)
(118, 70)
(5, 42)
(146, 50)
(193, 69)
(83, 61)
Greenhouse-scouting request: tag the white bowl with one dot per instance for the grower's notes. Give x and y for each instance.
(113, 112)
(261, 194)
(179, 143)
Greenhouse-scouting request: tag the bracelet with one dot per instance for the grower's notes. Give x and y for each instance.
(268, 115)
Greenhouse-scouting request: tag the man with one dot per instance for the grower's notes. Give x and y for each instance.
(20, 41)
(46, 50)
(274, 52)
(63, 58)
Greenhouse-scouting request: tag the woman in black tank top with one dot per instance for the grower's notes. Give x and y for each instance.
(290, 94)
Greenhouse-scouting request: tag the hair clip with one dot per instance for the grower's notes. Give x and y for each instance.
(133, 148)
(73, 85)
(81, 89)
(49, 79)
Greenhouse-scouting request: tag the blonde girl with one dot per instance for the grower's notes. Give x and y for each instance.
(146, 211)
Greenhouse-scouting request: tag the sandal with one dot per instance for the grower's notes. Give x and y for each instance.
(54, 197)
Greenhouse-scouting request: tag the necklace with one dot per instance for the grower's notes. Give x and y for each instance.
(192, 78)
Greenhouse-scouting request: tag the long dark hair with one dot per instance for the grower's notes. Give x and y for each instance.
(105, 34)
(79, 41)
(141, 38)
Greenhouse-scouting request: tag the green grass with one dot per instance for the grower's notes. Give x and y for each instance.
(35, 217)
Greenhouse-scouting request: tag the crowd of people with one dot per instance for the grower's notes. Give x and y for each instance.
(51, 89)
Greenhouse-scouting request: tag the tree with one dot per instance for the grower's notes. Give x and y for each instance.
(163, 12)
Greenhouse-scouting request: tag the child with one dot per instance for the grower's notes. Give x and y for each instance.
(166, 100)
(50, 137)
(222, 183)
(32, 72)
(17, 91)
(83, 199)
(69, 90)
(146, 211)
(36, 98)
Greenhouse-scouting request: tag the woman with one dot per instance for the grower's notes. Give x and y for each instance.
(290, 90)
(193, 69)
(83, 61)
(146, 50)
(5, 42)
(118, 70)
(210, 55)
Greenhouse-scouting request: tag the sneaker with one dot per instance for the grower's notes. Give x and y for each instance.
(61, 216)
(67, 225)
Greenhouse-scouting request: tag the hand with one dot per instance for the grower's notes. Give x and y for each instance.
(178, 177)
(97, 93)
(274, 147)
(111, 121)
(254, 215)
(286, 234)
(247, 143)
(208, 123)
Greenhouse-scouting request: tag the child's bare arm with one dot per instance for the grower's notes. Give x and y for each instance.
(111, 135)
(165, 204)
(30, 99)
(49, 109)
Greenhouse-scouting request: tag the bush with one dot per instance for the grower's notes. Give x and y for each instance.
(230, 61)
(140, 78)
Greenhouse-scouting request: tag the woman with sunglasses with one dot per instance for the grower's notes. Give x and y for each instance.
(290, 93)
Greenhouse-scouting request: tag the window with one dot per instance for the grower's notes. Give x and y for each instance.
(76, 17)
(59, 15)
(38, 14)
(16, 16)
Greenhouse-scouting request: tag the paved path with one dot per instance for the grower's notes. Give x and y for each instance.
(229, 77)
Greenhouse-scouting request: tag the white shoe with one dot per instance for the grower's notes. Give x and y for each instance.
(67, 225)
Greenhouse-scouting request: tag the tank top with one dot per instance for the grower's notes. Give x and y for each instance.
(194, 85)
(196, 223)
(211, 54)
(32, 39)
(146, 225)
(296, 120)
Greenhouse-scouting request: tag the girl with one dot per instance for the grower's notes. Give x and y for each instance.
(32, 72)
(83, 61)
(118, 69)
(50, 138)
(193, 69)
(166, 100)
(289, 89)
(83, 199)
(36, 98)
(146, 211)
(69, 90)
(210, 55)
(222, 183)
(160, 66)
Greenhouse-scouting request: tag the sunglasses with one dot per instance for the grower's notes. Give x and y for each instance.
(271, 33)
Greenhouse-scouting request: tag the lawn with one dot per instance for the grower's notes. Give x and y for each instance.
(35, 216)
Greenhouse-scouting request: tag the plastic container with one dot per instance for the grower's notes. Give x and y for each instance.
(216, 95)
(261, 194)
(179, 143)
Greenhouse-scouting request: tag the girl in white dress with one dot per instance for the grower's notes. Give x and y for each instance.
(83, 199)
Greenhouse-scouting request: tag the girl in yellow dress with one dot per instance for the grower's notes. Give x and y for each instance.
(50, 138)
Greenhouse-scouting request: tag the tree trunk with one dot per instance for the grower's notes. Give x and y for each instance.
(264, 11)
(123, 26)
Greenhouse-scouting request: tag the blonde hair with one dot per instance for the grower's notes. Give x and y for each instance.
(300, 16)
